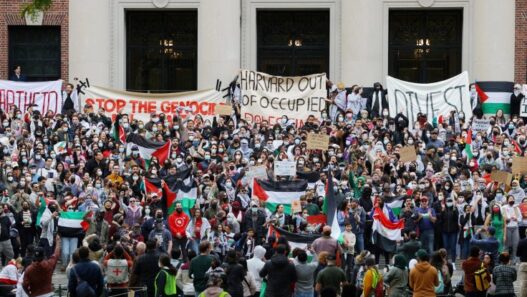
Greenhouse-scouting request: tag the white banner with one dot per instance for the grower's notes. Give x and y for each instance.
(284, 168)
(47, 95)
(433, 99)
(141, 105)
(482, 125)
(267, 98)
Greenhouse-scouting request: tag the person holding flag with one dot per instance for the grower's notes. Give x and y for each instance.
(387, 230)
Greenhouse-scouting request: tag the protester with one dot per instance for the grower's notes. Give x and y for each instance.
(280, 274)
(423, 277)
(85, 271)
(470, 266)
(504, 276)
(37, 277)
(100, 172)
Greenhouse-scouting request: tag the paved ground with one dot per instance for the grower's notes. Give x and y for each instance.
(60, 279)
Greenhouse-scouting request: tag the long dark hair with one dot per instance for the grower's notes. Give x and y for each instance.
(165, 261)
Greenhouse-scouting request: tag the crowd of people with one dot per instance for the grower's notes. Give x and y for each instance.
(131, 241)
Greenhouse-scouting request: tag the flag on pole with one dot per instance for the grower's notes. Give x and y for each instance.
(468, 146)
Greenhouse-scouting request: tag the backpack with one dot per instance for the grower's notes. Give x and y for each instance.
(83, 288)
(441, 287)
(481, 277)
(377, 284)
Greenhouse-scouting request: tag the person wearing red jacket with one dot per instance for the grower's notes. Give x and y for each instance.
(177, 223)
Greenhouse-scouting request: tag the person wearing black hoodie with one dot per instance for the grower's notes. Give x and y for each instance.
(280, 274)
(146, 268)
(235, 274)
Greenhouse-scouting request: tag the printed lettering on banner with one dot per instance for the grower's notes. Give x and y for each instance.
(140, 105)
(317, 141)
(434, 99)
(284, 168)
(296, 207)
(480, 125)
(47, 95)
(266, 97)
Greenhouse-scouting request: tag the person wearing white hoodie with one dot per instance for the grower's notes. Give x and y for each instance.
(255, 264)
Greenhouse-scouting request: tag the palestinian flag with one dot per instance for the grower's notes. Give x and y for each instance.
(148, 148)
(118, 133)
(41, 208)
(295, 240)
(179, 188)
(468, 146)
(498, 94)
(386, 229)
(70, 223)
(280, 192)
(396, 205)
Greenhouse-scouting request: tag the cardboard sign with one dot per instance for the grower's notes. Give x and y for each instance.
(296, 206)
(284, 168)
(519, 165)
(224, 110)
(501, 177)
(407, 154)
(259, 172)
(480, 125)
(317, 141)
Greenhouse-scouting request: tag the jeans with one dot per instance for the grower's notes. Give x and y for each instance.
(427, 240)
(194, 245)
(69, 245)
(303, 294)
(465, 248)
(511, 244)
(359, 243)
(450, 243)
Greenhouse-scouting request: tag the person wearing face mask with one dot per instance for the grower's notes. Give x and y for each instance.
(162, 236)
(47, 223)
(25, 223)
(98, 227)
(497, 221)
(178, 222)
(448, 220)
(254, 219)
(517, 192)
(513, 216)
(377, 102)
